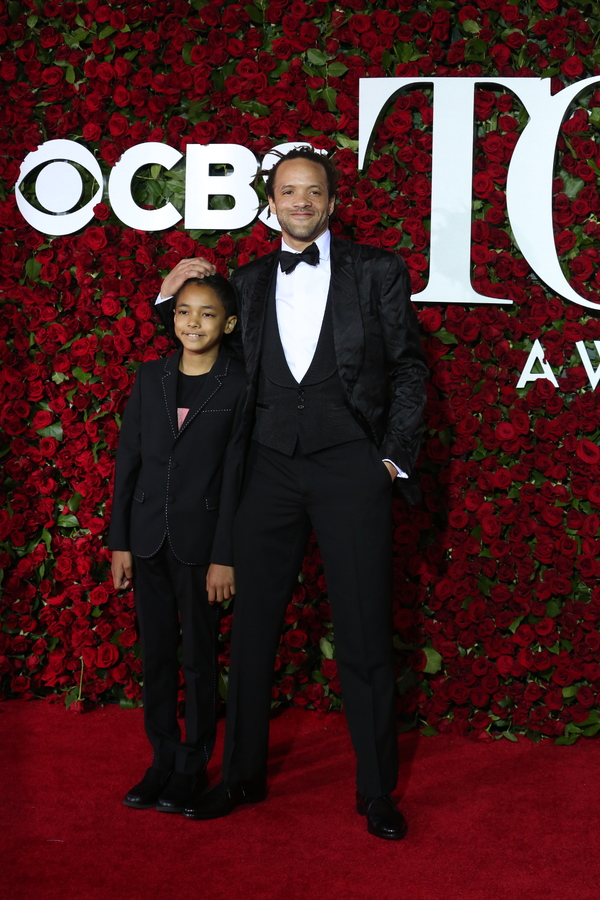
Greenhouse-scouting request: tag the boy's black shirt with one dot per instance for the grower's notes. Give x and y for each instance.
(188, 388)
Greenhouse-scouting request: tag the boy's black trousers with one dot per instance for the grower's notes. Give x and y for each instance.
(344, 493)
(171, 600)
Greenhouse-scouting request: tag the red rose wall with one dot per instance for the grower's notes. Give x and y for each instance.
(497, 605)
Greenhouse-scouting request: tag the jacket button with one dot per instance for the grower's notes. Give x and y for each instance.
(301, 406)
(174, 465)
(172, 498)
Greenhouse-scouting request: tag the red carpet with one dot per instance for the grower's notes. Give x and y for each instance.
(486, 822)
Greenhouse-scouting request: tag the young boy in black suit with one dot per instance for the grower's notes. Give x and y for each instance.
(176, 485)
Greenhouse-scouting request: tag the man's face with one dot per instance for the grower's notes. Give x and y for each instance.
(301, 201)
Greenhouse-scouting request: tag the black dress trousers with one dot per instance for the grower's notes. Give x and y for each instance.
(171, 600)
(345, 493)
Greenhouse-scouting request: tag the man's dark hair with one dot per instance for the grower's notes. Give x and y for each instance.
(221, 287)
(311, 155)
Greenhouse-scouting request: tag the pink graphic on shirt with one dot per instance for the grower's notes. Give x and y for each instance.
(181, 414)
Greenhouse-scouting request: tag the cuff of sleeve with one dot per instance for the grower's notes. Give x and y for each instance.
(161, 299)
(400, 474)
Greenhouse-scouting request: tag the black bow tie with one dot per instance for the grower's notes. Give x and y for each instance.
(288, 261)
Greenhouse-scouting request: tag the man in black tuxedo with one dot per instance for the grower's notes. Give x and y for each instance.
(336, 389)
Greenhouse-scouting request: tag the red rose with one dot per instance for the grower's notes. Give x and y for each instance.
(108, 655)
(42, 419)
(588, 451)
(431, 319)
(572, 67)
(329, 668)
(95, 238)
(296, 638)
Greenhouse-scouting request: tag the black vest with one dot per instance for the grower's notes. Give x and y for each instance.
(312, 412)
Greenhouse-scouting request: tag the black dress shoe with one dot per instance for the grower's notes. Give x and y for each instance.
(224, 798)
(145, 794)
(384, 819)
(181, 792)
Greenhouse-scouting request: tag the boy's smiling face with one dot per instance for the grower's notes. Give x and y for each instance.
(201, 321)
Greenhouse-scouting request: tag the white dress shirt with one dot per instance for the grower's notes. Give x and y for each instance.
(300, 300)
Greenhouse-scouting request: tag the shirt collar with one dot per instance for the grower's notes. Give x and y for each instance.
(323, 242)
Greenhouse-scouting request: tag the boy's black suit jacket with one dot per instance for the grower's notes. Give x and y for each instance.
(379, 357)
(179, 485)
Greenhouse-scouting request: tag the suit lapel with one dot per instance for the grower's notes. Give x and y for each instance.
(265, 283)
(169, 383)
(348, 327)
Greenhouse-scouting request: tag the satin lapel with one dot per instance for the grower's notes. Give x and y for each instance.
(169, 383)
(212, 384)
(348, 329)
(256, 313)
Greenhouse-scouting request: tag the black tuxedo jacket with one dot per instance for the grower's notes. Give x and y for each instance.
(378, 352)
(183, 484)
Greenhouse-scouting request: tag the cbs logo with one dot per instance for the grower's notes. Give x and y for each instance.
(58, 187)
(50, 176)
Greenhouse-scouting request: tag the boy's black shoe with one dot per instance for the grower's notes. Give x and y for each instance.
(182, 791)
(145, 794)
(223, 799)
(384, 819)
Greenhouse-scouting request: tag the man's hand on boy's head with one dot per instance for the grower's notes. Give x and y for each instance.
(185, 268)
(220, 583)
(121, 569)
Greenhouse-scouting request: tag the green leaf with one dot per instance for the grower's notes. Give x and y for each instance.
(346, 142)
(74, 503)
(255, 14)
(195, 112)
(445, 337)
(59, 377)
(128, 703)
(326, 648)
(572, 185)
(70, 75)
(75, 37)
(329, 96)
(569, 691)
(337, 69)
(106, 32)
(316, 57)
(67, 522)
(33, 269)
(566, 740)
(186, 52)
(514, 625)
(55, 430)
(428, 731)
(71, 696)
(595, 117)
(434, 660)
(259, 108)
(471, 27)
(80, 375)
(510, 736)
(592, 719)
(590, 732)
